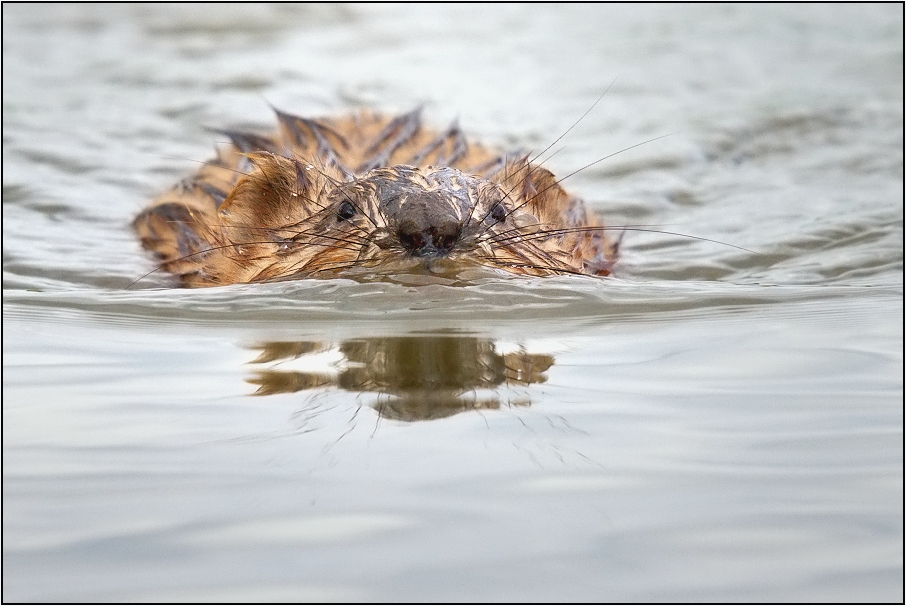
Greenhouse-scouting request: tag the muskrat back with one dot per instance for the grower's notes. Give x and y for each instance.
(368, 194)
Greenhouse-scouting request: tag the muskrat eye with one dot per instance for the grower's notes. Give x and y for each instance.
(498, 213)
(345, 210)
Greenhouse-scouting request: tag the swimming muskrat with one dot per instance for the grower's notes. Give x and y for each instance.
(328, 197)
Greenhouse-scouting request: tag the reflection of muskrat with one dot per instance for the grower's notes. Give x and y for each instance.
(330, 197)
(417, 377)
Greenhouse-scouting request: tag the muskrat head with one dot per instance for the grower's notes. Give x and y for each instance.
(290, 219)
(425, 213)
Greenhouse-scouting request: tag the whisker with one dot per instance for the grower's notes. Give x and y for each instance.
(599, 160)
(535, 266)
(582, 117)
(537, 251)
(339, 266)
(566, 230)
(554, 142)
(589, 165)
(211, 163)
(246, 243)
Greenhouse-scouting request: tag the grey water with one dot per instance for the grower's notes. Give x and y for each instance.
(711, 424)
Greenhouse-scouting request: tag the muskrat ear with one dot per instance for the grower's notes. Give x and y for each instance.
(272, 194)
(534, 187)
(540, 185)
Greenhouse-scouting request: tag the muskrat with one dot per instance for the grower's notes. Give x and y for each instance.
(363, 194)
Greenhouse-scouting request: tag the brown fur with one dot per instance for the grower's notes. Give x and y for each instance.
(365, 194)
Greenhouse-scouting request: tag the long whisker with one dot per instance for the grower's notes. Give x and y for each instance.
(599, 160)
(582, 117)
(554, 142)
(335, 267)
(354, 245)
(210, 163)
(534, 266)
(557, 182)
(533, 248)
(567, 131)
(566, 230)
(589, 165)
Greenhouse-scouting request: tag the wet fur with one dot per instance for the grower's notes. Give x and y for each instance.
(367, 194)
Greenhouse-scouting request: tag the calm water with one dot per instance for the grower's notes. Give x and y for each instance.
(711, 424)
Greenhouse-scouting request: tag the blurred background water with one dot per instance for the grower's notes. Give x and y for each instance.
(710, 424)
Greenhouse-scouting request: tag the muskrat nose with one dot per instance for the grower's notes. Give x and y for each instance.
(429, 240)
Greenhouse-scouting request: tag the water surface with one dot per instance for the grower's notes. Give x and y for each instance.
(710, 424)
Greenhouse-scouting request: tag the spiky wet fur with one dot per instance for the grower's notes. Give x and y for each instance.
(275, 207)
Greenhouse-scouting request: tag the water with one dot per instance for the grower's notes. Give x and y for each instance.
(711, 424)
